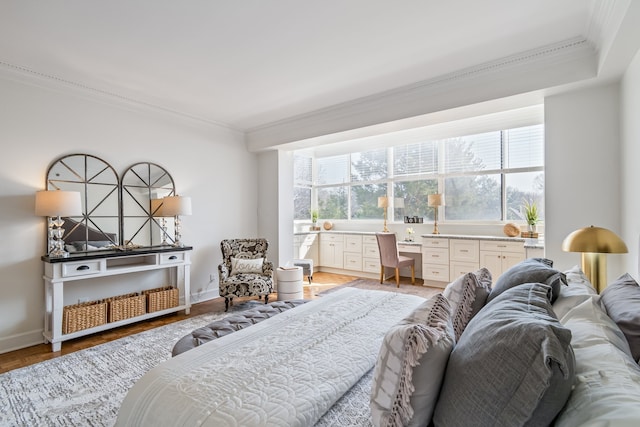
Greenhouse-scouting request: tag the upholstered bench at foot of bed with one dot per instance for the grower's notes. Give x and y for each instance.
(232, 323)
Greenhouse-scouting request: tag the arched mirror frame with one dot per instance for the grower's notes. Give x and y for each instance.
(143, 186)
(105, 222)
(98, 184)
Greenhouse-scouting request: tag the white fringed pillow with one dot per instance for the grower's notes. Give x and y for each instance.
(246, 266)
(467, 295)
(411, 366)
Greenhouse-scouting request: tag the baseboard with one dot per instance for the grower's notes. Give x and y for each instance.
(204, 295)
(23, 340)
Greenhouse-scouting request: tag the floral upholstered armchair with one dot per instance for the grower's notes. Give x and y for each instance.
(245, 270)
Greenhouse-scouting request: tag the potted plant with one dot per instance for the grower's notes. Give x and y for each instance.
(314, 219)
(530, 211)
(409, 237)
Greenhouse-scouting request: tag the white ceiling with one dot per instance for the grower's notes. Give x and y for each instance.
(247, 64)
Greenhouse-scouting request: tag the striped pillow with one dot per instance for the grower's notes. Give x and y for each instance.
(411, 366)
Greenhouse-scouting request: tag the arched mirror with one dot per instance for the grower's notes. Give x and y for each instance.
(98, 184)
(143, 187)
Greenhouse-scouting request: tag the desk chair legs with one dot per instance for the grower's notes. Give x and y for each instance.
(397, 271)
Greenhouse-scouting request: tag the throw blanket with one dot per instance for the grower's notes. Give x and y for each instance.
(285, 371)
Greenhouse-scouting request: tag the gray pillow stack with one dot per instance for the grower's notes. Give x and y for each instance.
(532, 270)
(513, 365)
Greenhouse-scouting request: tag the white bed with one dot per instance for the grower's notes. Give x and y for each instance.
(313, 364)
(272, 373)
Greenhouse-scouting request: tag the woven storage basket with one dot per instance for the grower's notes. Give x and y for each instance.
(161, 298)
(126, 306)
(83, 316)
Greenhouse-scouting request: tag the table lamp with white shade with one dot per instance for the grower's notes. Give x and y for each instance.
(175, 206)
(383, 202)
(435, 201)
(55, 204)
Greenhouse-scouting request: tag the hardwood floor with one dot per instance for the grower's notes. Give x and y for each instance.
(38, 353)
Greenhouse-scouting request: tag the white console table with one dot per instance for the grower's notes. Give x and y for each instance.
(89, 265)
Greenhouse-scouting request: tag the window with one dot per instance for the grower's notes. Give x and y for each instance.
(302, 185)
(485, 177)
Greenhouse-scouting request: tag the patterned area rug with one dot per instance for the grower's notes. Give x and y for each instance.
(87, 387)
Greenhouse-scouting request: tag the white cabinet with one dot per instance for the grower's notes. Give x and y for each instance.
(464, 257)
(80, 271)
(499, 256)
(305, 246)
(370, 254)
(353, 252)
(332, 250)
(435, 259)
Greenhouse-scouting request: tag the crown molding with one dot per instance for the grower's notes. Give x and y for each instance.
(559, 63)
(43, 80)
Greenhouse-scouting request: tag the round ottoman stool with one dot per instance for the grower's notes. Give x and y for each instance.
(289, 282)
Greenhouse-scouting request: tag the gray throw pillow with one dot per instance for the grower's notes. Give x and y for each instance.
(513, 366)
(467, 295)
(621, 300)
(410, 366)
(532, 270)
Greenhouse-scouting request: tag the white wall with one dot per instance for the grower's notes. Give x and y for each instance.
(275, 201)
(582, 169)
(630, 134)
(38, 125)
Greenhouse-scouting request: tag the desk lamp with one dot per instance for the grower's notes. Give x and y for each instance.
(435, 201)
(594, 243)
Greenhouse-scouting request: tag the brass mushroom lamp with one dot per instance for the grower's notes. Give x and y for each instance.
(594, 243)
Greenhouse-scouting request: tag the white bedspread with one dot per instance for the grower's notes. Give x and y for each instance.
(285, 371)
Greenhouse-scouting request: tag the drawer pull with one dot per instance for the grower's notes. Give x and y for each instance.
(83, 267)
(502, 246)
(173, 257)
(464, 250)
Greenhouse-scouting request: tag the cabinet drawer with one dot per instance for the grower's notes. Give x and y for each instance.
(458, 269)
(437, 272)
(501, 246)
(371, 265)
(171, 258)
(370, 250)
(403, 247)
(353, 244)
(352, 261)
(464, 250)
(81, 268)
(428, 242)
(435, 256)
(369, 240)
(332, 238)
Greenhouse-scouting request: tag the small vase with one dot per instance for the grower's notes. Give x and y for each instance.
(532, 228)
(408, 239)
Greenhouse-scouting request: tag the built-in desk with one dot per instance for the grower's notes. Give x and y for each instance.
(439, 259)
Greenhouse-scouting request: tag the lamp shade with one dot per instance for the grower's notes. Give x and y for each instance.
(383, 202)
(435, 199)
(58, 203)
(157, 208)
(176, 205)
(595, 240)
